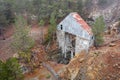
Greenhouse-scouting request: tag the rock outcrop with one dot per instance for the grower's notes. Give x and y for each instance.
(110, 10)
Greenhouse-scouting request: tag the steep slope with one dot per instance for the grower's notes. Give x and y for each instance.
(100, 64)
(110, 10)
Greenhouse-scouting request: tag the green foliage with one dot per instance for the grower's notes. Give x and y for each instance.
(42, 23)
(44, 8)
(25, 56)
(52, 28)
(98, 30)
(6, 13)
(48, 76)
(10, 70)
(53, 19)
(3, 20)
(102, 2)
(22, 40)
(10, 8)
(40, 8)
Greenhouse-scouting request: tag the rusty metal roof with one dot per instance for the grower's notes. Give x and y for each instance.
(85, 26)
(75, 25)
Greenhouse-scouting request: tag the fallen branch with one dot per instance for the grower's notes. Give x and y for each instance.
(52, 71)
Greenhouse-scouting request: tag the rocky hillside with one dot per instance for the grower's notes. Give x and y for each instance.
(110, 9)
(100, 64)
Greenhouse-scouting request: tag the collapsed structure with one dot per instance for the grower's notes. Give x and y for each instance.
(74, 35)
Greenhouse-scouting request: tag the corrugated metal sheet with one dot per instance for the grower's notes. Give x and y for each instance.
(82, 22)
(76, 26)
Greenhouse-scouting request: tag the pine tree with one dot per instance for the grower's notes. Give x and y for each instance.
(22, 40)
(98, 30)
(10, 70)
(41, 24)
(52, 28)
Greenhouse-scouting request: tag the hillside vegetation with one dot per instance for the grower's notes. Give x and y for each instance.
(28, 42)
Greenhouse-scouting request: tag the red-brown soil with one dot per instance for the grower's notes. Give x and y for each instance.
(5, 45)
(5, 49)
(8, 32)
(107, 56)
(42, 73)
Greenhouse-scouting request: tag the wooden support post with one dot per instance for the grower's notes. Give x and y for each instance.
(71, 54)
(65, 55)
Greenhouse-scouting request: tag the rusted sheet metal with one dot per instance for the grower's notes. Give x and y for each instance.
(74, 30)
(76, 26)
(82, 22)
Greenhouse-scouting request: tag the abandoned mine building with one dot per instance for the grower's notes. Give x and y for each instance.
(74, 35)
